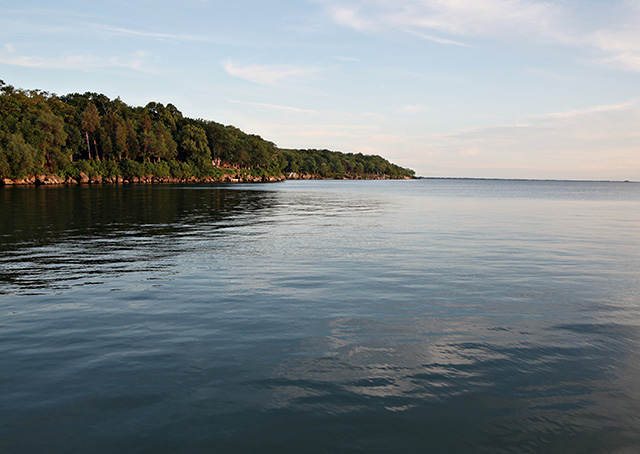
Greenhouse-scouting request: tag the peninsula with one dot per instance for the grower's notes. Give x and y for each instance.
(89, 138)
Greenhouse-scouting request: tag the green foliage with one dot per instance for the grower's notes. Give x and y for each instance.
(106, 168)
(180, 169)
(194, 146)
(17, 158)
(332, 164)
(130, 168)
(161, 169)
(90, 133)
(60, 162)
(84, 166)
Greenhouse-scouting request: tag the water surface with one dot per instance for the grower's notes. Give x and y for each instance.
(321, 316)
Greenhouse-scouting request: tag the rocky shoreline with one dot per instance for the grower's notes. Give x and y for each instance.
(42, 180)
(49, 180)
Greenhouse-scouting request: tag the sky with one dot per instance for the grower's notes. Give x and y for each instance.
(450, 88)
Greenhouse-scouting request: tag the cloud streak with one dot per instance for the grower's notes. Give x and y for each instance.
(275, 107)
(70, 23)
(454, 17)
(439, 40)
(82, 62)
(152, 35)
(615, 45)
(271, 75)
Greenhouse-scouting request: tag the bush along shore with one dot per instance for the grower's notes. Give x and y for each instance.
(83, 178)
(237, 177)
(91, 139)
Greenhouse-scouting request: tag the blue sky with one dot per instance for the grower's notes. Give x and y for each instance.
(483, 88)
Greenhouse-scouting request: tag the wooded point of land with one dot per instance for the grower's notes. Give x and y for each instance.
(90, 134)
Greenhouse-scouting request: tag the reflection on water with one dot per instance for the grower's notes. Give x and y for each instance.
(61, 237)
(419, 316)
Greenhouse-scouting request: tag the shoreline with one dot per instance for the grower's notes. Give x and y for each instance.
(84, 179)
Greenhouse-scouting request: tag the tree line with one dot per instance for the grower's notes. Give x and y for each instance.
(65, 135)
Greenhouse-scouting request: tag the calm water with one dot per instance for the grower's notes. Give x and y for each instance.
(421, 316)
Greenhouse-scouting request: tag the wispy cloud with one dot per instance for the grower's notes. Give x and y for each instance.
(275, 107)
(614, 44)
(621, 47)
(73, 23)
(161, 36)
(138, 61)
(273, 75)
(607, 109)
(471, 18)
(150, 34)
(439, 40)
(349, 17)
(455, 17)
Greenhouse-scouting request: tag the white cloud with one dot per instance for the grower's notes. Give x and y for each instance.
(614, 43)
(617, 44)
(149, 34)
(439, 40)
(160, 36)
(273, 75)
(275, 107)
(469, 18)
(138, 62)
(349, 17)
(628, 61)
(626, 108)
(458, 17)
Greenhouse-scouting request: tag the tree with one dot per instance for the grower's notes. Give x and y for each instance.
(39, 131)
(116, 131)
(52, 137)
(133, 147)
(194, 147)
(164, 145)
(146, 137)
(90, 123)
(17, 158)
(168, 116)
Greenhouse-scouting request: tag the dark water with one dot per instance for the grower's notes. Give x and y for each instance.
(334, 316)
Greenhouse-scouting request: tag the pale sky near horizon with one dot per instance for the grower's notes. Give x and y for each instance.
(452, 88)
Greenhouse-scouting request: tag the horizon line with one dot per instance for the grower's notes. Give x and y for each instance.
(526, 179)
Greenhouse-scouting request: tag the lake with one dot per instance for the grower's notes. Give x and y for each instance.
(417, 316)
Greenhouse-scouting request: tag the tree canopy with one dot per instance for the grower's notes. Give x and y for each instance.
(41, 132)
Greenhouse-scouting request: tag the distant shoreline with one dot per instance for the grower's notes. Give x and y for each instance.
(526, 179)
(229, 178)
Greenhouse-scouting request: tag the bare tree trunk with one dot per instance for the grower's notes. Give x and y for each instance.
(88, 144)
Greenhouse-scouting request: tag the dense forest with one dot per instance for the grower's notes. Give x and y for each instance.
(91, 138)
